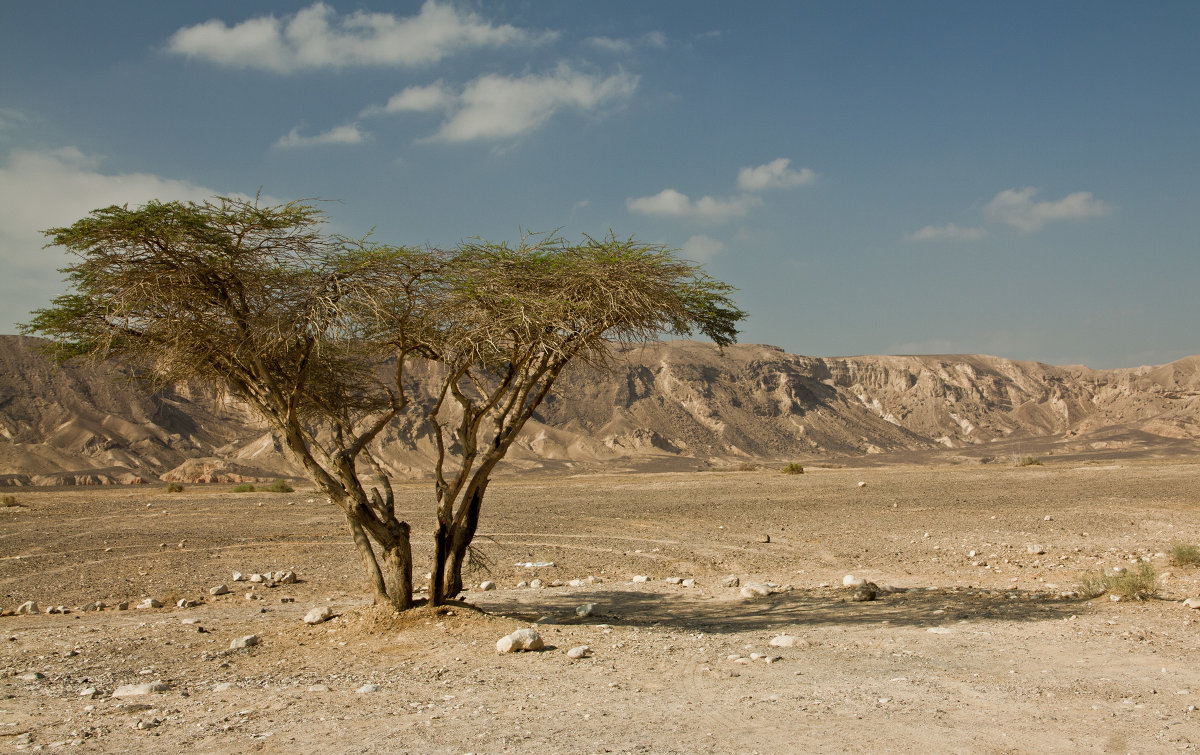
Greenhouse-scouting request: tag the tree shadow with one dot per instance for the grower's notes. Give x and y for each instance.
(800, 608)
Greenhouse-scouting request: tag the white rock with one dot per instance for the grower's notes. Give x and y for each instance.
(248, 641)
(581, 651)
(137, 690)
(522, 639)
(149, 603)
(731, 581)
(587, 609)
(222, 687)
(787, 641)
(938, 630)
(318, 688)
(689, 582)
(640, 578)
(487, 585)
(536, 583)
(522, 583)
(253, 596)
(286, 577)
(577, 583)
(1035, 549)
(673, 580)
(257, 578)
(28, 607)
(1192, 603)
(852, 581)
(366, 689)
(862, 484)
(238, 576)
(219, 590)
(756, 590)
(87, 692)
(32, 676)
(318, 615)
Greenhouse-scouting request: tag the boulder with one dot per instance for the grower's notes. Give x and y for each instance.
(520, 640)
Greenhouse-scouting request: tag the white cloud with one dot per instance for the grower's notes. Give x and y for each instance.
(317, 37)
(625, 46)
(40, 190)
(500, 107)
(774, 175)
(346, 134)
(948, 232)
(671, 203)
(702, 248)
(1016, 208)
(420, 99)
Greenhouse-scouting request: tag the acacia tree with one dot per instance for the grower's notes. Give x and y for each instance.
(298, 325)
(255, 300)
(513, 320)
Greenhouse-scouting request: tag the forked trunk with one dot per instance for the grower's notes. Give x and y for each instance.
(460, 541)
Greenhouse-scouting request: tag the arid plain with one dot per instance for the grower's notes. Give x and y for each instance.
(985, 648)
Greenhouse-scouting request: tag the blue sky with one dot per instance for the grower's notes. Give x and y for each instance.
(1010, 178)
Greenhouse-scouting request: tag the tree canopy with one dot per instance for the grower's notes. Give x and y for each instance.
(257, 301)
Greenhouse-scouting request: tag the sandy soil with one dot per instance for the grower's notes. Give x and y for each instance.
(984, 653)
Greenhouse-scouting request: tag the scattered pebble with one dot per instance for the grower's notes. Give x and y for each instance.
(852, 581)
(731, 581)
(582, 651)
(587, 609)
(522, 639)
(788, 641)
(248, 641)
(756, 590)
(487, 585)
(640, 578)
(1192, 603)
(366, 689)
(138, 690)
(318, 615)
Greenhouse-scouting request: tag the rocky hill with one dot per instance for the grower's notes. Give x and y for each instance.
(668, 405)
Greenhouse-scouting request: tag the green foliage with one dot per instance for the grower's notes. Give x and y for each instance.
(8, 500)
(174, 487)
(1185, 554)
(244, 487)
(1140, 583)
(793, 468)
(279, 486)
(1027, 461)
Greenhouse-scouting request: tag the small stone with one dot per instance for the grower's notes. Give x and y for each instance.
(87, 692)
(689, 582)
(673, 580)
(28, 607)
(587, 609)
(522, 583)
(287, 600)
(576, 583)
(862, 484)
(253, 596)
(238, 576)
(149, 603)
(1047, 518)
(1034, 549)
(865, 592)
(852, 581)
(520, 640)
(32, 676)
(137, 690)
(537, 584)
(367, 689)
(257, 578)
(640, 578)
(286, 577)
(756, 590)
(318, 688)
(731, 581)
(764, 538)
(1192, 603)
(219, 590)
(23, 739)
(318, 615)
(222, 687)
(1115, 598)
(556, 583)
(186, 603)
(581, 651)
(487, 585)
(248, 641)
(787, 641)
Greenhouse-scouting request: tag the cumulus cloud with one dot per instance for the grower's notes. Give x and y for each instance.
(774, 175)
(702, 248)
(46, 189)
(317, 37)
(496, 107)
(706, 209)
(1017, 208)
(419, 99)
(349, 133)
(948, 232)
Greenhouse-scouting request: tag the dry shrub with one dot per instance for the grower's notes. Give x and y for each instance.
(1128, 584)
(174, 487)
(245, 487)
(1185, 554)
(279, 486)
(1027, 461)
(793, 468)
(9, 500)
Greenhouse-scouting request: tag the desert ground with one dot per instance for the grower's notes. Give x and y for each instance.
(985, 648)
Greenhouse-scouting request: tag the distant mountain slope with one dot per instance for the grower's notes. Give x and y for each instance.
(675, 404)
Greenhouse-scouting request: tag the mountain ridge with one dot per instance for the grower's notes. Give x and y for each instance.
(665, 405)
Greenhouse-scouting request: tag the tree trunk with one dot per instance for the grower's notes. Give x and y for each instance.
(460, 541)
(398, 562)
(367, 553)
(441, 551)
